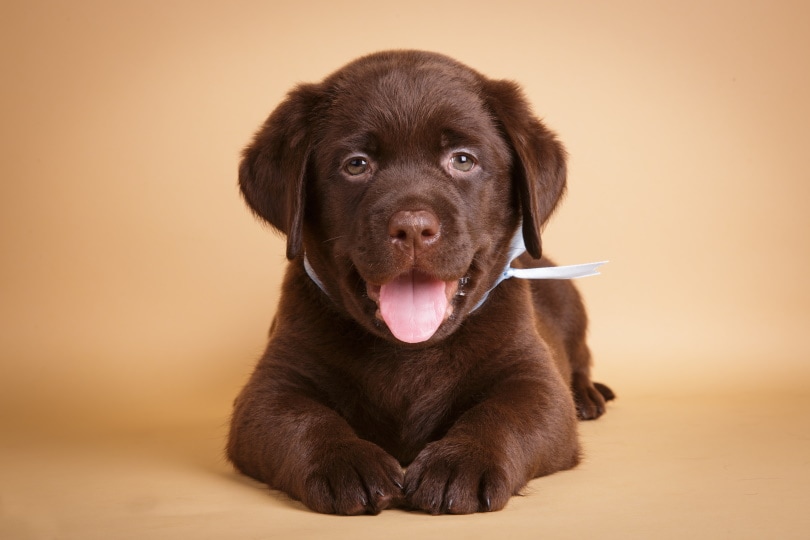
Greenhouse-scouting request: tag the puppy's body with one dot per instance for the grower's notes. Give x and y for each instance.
(400, 181)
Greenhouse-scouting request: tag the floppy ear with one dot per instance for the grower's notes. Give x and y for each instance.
(539, 170)
(273, 168)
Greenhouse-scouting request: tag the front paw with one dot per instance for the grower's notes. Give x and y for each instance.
(353, 477)
(452, 478)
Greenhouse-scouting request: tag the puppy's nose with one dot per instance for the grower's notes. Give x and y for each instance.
(414, 229)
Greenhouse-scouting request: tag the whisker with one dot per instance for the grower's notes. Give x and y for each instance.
(335, 238)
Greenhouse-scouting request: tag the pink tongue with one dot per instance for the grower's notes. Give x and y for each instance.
(413, 306)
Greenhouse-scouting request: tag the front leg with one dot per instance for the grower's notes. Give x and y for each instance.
(284, 436)
(525, 428)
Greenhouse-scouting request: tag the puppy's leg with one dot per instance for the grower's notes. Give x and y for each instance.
(590, 397)
(526, 427)
(572, 322)
(562, 319)
(285, 437)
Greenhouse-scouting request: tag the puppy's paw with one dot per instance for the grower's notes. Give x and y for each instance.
(355, 477)
(590, 397)
(449, 478)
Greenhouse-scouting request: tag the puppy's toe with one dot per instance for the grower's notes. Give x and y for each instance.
(605, 390)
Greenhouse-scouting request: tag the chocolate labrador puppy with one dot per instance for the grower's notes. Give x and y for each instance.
(396, 374)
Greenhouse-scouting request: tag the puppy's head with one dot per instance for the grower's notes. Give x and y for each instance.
(402, 177)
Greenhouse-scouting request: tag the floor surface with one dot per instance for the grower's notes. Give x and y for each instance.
(656, 467)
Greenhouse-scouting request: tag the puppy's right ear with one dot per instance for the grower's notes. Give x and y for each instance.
(539, 171)
(273, 170)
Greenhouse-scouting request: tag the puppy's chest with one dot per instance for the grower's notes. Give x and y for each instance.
(403, 407)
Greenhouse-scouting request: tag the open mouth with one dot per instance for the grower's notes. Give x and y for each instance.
(414, 304)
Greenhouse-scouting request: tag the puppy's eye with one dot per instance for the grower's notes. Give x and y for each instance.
(462, 162)
(356, 166)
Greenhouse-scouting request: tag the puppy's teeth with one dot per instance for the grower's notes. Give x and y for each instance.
(461, 283)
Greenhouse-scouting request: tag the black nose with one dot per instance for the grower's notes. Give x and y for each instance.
(414, 229)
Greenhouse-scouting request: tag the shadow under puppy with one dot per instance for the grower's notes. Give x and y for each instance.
(400, 182)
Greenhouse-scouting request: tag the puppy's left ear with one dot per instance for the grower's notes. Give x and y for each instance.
(539, 171)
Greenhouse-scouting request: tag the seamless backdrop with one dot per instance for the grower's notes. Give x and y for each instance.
(136, 287)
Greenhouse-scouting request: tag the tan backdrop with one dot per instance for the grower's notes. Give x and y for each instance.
(136, 288)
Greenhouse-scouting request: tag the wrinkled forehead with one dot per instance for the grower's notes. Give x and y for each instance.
(407, 107)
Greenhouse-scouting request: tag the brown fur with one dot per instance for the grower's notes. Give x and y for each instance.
(337, 406)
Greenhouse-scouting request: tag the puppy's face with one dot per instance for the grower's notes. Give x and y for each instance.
(403, 189)
(412, 199)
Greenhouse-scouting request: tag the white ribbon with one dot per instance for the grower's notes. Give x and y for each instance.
(516, 249)
(555, 272)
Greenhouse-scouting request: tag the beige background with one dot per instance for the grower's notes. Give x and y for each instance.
(136, 288)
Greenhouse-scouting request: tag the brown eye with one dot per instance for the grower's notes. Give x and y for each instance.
(462, 162)
(356, 166)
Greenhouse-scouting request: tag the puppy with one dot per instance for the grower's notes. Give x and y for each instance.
(396, 374)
